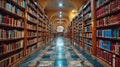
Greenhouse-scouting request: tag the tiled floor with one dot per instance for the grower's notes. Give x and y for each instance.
(60, 53)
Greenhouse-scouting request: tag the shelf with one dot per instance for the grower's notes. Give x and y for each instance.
(87, 12)
(87, 25)
(31, 30)
(12, 39)
(31, 44)
(29, 37)
(32, 7)
(105, 3)
(88, 19)
(16, 4)
(111, 39)
(88, 37)
(88, 32)
(108, 14)
(88, 3)
(10, 27)
(8, 54)
(88, 44)
(30, 21)
(32, 15)
(109, 26)
(4, 11)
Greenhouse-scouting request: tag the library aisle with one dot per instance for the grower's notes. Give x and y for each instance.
(59, 33)
(60, 53)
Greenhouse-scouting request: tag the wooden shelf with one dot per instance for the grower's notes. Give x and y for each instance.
(111, 39)
(88, 44)
(87, 25)
(31, 30)
(109, 26)
(87, 38)
(30, 37)
(31, 44)
(88, 32)
(88, 19)
(12, 39)
(3, 10)
(32, 15)
(8, 54)
(30, 21)
(10, 27)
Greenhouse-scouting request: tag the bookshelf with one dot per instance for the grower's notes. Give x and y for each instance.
(108, 23)
(103, 22)
(87, 27)
(22, 26)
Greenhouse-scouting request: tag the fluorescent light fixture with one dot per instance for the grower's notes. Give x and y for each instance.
(60, 4)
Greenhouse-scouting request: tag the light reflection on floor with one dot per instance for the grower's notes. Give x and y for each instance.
(61, 53)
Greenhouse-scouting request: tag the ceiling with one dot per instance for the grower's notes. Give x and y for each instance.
(68, 8)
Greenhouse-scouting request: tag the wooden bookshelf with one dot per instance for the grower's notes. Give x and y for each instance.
(101, 21)
(40, 33)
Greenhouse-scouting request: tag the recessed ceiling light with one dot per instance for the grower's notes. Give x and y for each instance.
(60, 12)
(60, 4)
(73, 11)
(60, 15)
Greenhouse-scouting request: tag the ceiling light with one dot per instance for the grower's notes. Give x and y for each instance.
(73, 11)
(60, 15)
(60, 12)
(60, 4)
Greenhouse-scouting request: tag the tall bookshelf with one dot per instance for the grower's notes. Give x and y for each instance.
(22, 26)
(108, 32)
(87, 27)
(104, 25)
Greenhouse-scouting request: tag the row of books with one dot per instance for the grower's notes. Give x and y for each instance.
(104, 44)
(87, 16)
(9, 34)
(31, 26)
(31, 41)
(87, 22)
(88, 35)
(88, 29)
(30, 49)
(104, 55)
(31, 33)
(8, 61)
(87, 10)
(31, 18)
(88, 41)
(32, 11)
(21, 3)
(39, 34)
(14, 9)
(40, 39)
(8, 47)
(31, 3)
(39, 28)
(113, 47)
(110, 20)
(100, 2)
(11, 21)
(117, 62)
(88, 48)
(111, 7)
(109, 33)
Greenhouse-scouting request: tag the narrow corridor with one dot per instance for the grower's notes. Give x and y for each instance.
(59, 53)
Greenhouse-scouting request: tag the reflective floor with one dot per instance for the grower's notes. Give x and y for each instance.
(60, 53)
